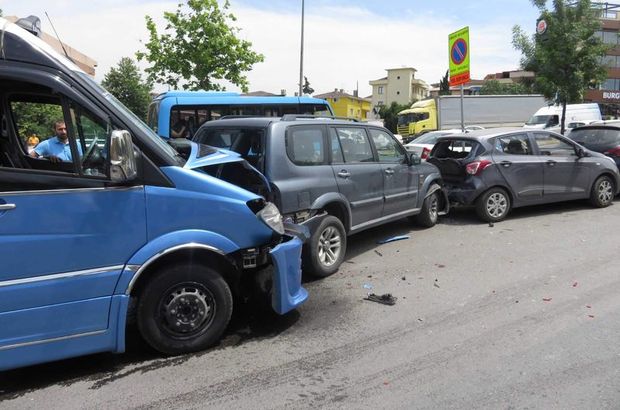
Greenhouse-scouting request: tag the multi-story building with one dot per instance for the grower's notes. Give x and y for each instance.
(347, 105)
(608, 93)
(400, 86)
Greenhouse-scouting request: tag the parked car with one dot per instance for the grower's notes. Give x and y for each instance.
(603, 138)
(500, 169)
(423, 145)
(337, 177)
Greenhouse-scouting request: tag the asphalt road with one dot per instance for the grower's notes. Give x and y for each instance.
(524, 314)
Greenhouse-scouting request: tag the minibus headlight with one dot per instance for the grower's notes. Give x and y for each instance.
(271, 216)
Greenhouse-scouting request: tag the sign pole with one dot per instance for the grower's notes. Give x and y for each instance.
(458, 50)
(462, 115)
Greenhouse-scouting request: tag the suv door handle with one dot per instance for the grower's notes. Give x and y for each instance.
(389, 171)
(506, 164)
(344, 174)
(7, 207)
(551, 163)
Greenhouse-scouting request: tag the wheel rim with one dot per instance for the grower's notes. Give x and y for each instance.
(186, 309)
(330, 245)
(433, 208)
(605, 191)
(497, 204)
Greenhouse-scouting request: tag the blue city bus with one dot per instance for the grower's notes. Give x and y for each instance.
(193, 108)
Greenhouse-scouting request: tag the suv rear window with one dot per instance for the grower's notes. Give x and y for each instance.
(454, 148)
(305, 145)
(249, 142)
(595, 136)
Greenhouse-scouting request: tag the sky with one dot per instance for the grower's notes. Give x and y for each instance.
(347, 43)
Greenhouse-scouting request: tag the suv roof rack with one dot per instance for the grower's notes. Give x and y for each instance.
(293, 117)
(230, 117)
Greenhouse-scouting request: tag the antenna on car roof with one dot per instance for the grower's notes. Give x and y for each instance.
(58, 37)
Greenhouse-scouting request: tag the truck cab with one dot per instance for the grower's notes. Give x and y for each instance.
(121, 226)
(420, 118)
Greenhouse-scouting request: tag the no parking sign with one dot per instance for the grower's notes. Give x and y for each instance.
(458, 46)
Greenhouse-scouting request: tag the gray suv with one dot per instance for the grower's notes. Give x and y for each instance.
(337, 177)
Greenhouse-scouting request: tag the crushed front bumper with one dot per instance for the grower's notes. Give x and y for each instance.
(287, 292)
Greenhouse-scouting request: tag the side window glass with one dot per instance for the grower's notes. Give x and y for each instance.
(554, 120)
(513, 145)
(388, 149)
(553, 146)
(91, 134)
(34, 120)
(305, 145)
(337, 157)
(355, 144)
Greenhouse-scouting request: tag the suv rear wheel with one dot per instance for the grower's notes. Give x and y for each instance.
(430, 211)
(327, 247)
(493, 205)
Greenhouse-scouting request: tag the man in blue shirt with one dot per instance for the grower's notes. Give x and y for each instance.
(56, 148)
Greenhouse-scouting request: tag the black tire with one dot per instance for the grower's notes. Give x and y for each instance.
(196, 297)
(429, 214)
(603, 191)
(330, 233)
(493, 205)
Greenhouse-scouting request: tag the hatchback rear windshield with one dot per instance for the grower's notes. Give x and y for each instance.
(595, 136)
(455, 148)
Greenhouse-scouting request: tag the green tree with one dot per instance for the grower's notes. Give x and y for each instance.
(494, 87)
(444, 84)
(36, 118)
(198, 47)
(126, 84)
(567, 57)
(389, 114)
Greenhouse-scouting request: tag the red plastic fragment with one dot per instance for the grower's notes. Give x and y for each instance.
(546, 299)
(591, 316)
(589, 306)
(575, 284)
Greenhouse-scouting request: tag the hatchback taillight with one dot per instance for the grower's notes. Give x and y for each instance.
(476, 167)
(614, 152)
(425, 153)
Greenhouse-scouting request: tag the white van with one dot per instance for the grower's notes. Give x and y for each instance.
(549, 117)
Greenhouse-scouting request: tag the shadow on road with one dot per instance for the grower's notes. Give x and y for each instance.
(249, 323)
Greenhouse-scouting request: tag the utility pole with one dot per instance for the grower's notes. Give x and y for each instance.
(301, 56)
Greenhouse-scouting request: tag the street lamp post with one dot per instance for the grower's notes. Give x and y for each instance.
(301, 54)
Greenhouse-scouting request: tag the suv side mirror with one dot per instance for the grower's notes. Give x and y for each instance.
(413, 159)
(580, 152)
(123, 166)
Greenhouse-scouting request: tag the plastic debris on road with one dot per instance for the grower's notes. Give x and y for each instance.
(393, 239)
(367, 286)
(385, 299)
(546, 299)
(378, 253)
(575, 284)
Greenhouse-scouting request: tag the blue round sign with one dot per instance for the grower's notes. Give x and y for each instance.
(459, 51)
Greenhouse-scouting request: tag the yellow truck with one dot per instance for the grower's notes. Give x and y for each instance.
(488, 111)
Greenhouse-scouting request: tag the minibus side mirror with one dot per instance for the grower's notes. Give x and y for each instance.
(123, 167)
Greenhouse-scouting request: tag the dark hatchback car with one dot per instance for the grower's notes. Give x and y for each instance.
(500, 169)
(603, 138)
(337, 177)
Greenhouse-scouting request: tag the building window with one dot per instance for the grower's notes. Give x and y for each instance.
(610, 37)
(611, 84)
(380, 90)
(611, 15)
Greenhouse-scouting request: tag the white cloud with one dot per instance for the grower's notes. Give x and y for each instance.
(342, 45)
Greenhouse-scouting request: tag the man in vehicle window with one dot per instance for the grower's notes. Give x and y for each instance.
(56, 148)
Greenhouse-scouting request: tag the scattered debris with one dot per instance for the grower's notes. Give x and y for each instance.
(378, 253)
(369, 276)
(589, 306)
(591, 316)
(516, 301)
(491, 225)
(385, 299)
(349, 262)
(393, 239)
(546, 299)
(420, 320)
(575, 284)
(367, 286)
(403, 278)
(386, 383)
(436, 284)
(439, 265)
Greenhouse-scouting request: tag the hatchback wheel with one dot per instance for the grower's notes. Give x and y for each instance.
(327, 247)
(493, 205)
(602, 192)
